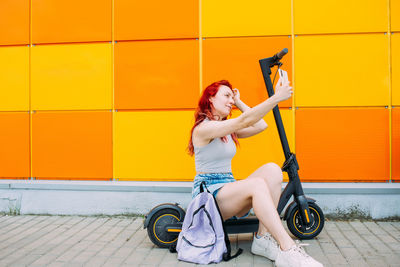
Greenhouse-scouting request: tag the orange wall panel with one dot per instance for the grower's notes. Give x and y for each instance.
(14, 22)
(71, 21)
(72, 145)
(236, 60)
(157, 19)
(395, 67)
(343, 144)
(396, 144)
(156, 74)
(14, 145)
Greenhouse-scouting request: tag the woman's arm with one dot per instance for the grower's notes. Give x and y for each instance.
(283, 91)
(256, 128)
(213, 129)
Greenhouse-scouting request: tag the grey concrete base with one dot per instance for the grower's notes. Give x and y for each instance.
(359, 200)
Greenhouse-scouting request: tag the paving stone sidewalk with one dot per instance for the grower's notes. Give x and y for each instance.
(122, 241)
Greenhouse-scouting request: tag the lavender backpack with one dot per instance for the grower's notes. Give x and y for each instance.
(203, 238)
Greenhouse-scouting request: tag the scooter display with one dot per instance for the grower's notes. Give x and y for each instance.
(303, 216)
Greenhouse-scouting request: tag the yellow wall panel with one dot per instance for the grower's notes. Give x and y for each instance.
(245, 18)
(151, 145)
(14, 78)
(342, 70)
(70, 77)
(340, 16)
(394, 15)
(395, 68)
(263, 148)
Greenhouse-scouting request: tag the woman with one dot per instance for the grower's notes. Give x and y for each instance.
(213, 142)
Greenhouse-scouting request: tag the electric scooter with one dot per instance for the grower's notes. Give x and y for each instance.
(303, 216)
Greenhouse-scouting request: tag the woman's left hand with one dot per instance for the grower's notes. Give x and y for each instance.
(236, 95)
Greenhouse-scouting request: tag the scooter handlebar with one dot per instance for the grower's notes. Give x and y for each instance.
(280, 54)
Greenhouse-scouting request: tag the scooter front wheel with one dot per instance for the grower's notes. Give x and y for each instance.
(297, 229)
(157, 227)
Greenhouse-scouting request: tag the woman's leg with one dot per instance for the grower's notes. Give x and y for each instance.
(273, 176)
(235, 197)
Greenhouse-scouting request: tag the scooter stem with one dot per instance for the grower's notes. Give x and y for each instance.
(266, 65)
(290, 166)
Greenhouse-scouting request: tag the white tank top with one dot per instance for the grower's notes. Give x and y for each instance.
(216, 156)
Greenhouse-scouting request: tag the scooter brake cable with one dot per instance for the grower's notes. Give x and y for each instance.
(275, 76)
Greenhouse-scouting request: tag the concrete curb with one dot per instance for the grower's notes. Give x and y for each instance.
(357, 200)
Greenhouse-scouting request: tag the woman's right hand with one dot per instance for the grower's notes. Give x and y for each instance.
(283, 90)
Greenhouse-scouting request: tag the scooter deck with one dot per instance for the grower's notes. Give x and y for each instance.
(233, 226)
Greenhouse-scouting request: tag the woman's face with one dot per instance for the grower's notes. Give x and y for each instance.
(222, 102)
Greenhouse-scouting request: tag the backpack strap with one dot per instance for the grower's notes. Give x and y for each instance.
(172, 248)
(202, 186)
(227, 256)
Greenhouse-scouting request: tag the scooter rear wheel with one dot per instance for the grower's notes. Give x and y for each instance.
(295, 227)
(156, 228)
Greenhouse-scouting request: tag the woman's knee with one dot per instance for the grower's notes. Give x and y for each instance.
(258, 185)
(272, 170)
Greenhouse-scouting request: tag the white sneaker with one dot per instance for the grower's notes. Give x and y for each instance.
(265, 246)
(295, 257)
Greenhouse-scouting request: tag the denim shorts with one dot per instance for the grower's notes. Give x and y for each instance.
(214, 182)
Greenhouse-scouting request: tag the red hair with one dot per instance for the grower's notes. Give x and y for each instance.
(203, 111)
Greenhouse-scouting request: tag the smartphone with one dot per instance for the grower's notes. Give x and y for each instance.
(283, 75)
